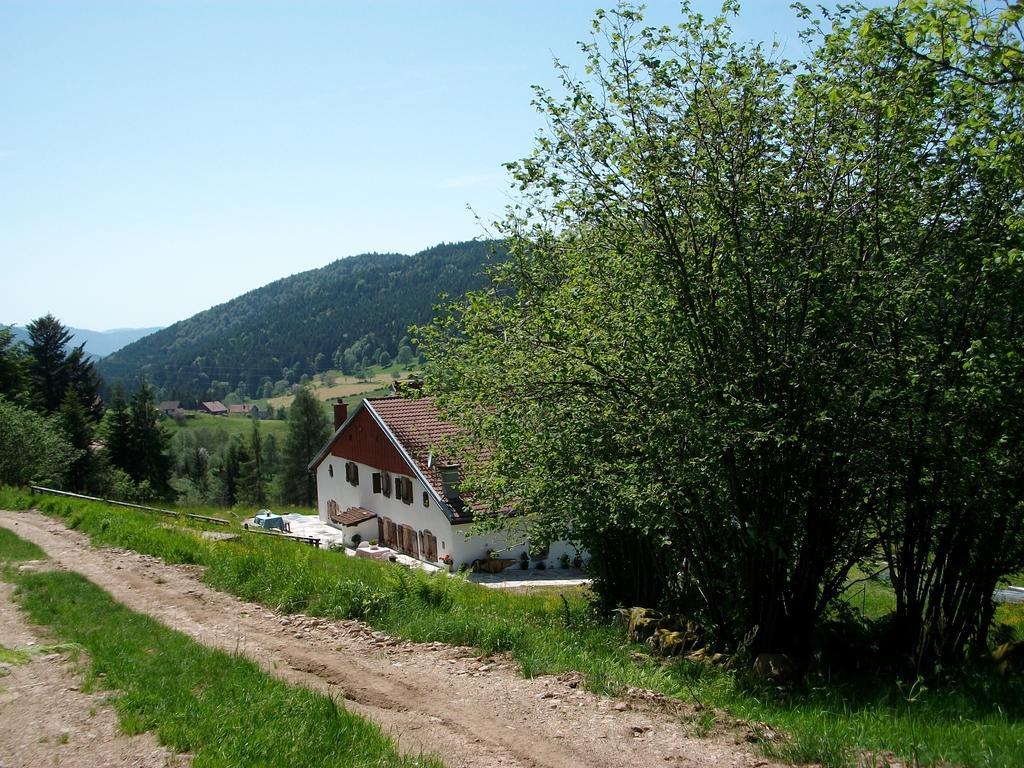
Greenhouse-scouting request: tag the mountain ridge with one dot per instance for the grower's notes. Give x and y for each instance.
(98, 344)
(348, 314)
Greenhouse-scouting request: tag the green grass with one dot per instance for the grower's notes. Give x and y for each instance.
(220, 707)
(228, 426)
(976, 721)
(15, 549)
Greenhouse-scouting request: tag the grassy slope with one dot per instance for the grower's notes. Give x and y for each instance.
(326, 387)
(219, 707)
(229, 425)
(976, 722)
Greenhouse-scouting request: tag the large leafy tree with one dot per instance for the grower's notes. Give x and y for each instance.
(952, 522)
(743, 301)
(307, 433)
(33, 447)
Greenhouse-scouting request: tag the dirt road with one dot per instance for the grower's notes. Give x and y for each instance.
(472, 712)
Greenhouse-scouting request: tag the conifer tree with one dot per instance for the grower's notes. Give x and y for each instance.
(307, 432)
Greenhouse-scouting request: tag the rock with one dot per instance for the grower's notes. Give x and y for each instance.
(219, 536)
(621, 706)
(642, 623)
(1009, 657)
(776, 668)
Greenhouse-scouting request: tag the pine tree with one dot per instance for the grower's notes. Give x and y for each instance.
(307, 432)
(48, 369)
(78, 428)
(252, 481)
(52, 370)
(135, 441)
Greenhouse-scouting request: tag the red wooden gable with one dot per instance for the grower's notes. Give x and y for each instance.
(364, 441)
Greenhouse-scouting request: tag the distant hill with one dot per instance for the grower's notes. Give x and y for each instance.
(351, 313)
(97, 343)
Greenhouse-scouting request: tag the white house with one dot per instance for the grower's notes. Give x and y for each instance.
(378, 477)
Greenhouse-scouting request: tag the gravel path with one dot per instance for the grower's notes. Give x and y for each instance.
(48, 720)
(470, 711)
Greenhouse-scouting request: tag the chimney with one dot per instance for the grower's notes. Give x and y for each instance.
(340, 413)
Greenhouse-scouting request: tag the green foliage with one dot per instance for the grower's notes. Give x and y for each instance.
(33, 448)
(307, 432)
(352, 309)
(759, 318)
(13, 381)
(53, 370)
(135, 441)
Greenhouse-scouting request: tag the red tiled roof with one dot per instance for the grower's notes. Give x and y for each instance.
(418, 426)
(353, 516)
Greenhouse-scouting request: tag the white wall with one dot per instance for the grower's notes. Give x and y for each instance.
(451, 539)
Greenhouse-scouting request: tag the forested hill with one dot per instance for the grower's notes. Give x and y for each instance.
(352, 313)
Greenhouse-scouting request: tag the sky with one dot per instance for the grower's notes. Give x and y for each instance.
(160, 157)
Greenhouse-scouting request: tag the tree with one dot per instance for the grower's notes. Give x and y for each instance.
(12, 367)
(307, 433)
(33, 448)
(229, 473)
(951, 522)
(136, 443)
(52, 370)
(252, 479)
(271, 458)
(83, 466)
(48, 371)
(743, 300)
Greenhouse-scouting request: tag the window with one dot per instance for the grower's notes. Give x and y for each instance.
(330, 470)
(385, 484)
(403, 489)
(376, 482)
(429, 546)
(426, 499)
(352, 472)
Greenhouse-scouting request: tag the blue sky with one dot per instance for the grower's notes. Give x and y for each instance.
(158, 158)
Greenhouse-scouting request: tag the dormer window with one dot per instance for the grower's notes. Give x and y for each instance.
(450, 481)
